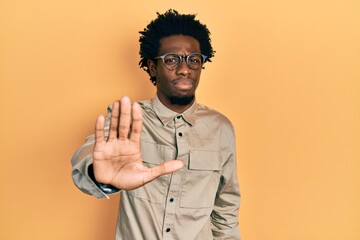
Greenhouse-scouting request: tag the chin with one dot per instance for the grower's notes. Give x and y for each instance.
(182, 100)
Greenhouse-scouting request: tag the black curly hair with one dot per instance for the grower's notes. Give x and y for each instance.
(168, 24)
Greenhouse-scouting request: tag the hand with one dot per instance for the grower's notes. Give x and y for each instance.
(118, 160)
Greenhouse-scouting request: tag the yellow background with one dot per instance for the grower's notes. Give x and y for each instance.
(287, 73)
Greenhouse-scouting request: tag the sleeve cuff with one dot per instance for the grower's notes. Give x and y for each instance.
(106, 188)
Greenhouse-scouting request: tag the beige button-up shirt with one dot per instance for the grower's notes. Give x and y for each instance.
(201, 201)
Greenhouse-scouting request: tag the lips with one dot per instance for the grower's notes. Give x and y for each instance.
(183, 83)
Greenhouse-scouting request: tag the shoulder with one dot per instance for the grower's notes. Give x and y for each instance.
(146, 106)
(215, 125)
(203, 111)
(214, 120)
(145, 103)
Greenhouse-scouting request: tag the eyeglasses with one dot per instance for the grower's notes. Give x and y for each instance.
(173, 61)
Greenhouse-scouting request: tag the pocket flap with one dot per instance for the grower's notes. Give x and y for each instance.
(205, 160)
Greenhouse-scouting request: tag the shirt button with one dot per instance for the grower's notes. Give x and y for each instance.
(167, 230)
(180, 134)
(171, 199)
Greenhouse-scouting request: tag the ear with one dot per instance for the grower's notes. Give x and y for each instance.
(152, 67)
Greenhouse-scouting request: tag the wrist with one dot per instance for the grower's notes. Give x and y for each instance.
(106, 188)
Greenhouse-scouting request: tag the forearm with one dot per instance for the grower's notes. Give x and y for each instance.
(225, 222)
(225, 214)
(226, 234)
(81, 162)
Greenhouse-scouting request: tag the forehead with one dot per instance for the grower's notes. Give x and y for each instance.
(179, 44)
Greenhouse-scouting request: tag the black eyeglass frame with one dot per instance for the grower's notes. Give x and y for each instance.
(181, 57)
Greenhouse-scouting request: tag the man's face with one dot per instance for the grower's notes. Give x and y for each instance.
(181, 83)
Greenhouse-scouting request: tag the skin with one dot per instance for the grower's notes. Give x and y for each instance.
(180, 82)
(117, 160)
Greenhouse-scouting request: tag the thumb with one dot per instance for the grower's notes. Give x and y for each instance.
(164, 168)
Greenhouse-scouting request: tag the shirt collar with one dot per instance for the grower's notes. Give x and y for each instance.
(166, 115)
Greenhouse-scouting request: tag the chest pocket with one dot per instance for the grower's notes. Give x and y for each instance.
(154, 191)
(201, 180)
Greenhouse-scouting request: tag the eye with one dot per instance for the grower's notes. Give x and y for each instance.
(195, 59)
(171, 59)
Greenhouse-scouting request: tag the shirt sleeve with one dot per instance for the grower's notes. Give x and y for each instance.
(82, 160)
(224, 216)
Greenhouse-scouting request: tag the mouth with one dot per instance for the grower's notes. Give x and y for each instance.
(183, 83)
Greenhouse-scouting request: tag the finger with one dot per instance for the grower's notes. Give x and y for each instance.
(136, 123)
(99, 131)
(114, 121)
(125, 118)
(164, 168)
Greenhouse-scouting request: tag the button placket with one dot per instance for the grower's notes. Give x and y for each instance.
(173, 193)
(179, 129)
(182, 154)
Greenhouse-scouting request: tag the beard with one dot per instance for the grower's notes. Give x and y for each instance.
(181, 100)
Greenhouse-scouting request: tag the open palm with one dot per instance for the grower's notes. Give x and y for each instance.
(117, 161)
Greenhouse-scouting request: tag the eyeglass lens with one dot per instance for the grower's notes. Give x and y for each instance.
(173, 61)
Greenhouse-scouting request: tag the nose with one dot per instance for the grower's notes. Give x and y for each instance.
(183, 68)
